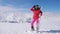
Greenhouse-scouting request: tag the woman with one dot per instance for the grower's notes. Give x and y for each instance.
(36, 14)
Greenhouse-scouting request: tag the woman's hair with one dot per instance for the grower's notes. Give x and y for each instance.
(38, 8)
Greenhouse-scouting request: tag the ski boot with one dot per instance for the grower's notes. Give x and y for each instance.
(32, 28)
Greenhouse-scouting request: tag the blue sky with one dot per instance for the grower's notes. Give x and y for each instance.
(46, 5)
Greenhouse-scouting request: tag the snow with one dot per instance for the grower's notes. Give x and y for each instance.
(9, 28)
(15, 28)
(18, 28)
(22, 21)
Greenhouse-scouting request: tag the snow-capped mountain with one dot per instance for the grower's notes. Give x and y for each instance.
(15, 16)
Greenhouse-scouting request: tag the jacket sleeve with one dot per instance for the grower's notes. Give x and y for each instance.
(32, 9)
(41, 12)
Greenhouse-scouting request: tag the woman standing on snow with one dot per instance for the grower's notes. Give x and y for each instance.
(37, 13)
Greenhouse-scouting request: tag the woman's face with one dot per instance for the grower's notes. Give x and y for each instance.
(36, 7)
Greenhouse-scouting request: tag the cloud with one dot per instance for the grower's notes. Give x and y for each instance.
(10, 8)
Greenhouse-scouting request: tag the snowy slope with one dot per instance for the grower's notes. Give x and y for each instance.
(18, 28)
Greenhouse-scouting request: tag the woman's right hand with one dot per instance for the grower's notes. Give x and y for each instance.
(33, 8)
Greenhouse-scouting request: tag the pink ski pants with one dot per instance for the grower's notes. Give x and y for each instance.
(33, 21)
